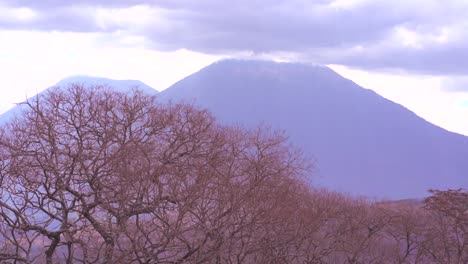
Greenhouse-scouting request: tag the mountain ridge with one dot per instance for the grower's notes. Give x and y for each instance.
(119, 85)
(315, 105)
(363, 143)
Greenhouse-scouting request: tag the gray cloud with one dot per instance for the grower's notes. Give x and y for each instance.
(423, 36)
(436, 59)
(52, 4)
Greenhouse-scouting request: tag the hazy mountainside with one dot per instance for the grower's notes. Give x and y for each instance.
(363, 143)
(119, 85)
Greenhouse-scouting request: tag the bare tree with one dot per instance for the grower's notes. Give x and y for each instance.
(405, 232)
(94, 176)
(90, 175)
(446, 238)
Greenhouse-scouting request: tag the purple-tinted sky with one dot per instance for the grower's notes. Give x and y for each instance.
(407, 43)
(415, 35)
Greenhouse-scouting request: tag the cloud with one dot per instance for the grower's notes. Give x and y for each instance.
(52, 4)
(33, 61)
(422, 36)
(455, 84)
(463, 104)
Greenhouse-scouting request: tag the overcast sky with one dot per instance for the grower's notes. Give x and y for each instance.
(414, 52)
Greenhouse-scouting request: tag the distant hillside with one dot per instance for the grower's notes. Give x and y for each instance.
(363, 144)
(119, 85)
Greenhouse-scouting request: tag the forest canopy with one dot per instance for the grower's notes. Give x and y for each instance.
(92, 175)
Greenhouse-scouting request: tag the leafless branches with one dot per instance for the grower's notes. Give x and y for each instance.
(89, 175)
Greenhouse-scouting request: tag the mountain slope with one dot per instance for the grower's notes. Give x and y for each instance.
(119, 85)
(363, 144)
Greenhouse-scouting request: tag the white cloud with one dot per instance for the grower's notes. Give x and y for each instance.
(33, 61)
(422, 94)
(414, 35)
(23, 13)
(20, 14)
(136, 17)
(352, 32)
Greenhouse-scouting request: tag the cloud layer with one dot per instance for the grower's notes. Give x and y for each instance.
(418, 36)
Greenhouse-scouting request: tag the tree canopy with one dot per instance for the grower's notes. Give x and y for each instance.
(91, 175)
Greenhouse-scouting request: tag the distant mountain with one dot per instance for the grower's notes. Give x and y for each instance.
(363, 144)
(119, 85)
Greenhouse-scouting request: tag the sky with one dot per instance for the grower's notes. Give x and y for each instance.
(413, 52)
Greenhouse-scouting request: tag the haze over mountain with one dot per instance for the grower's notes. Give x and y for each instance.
(362, 143)
(119, 85)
